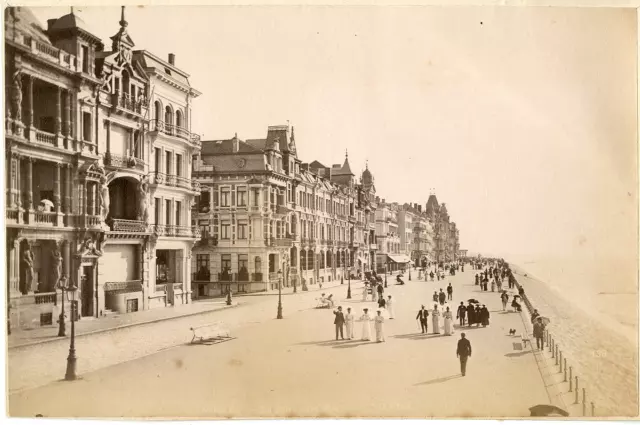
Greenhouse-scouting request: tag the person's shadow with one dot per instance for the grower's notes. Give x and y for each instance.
(439, 380)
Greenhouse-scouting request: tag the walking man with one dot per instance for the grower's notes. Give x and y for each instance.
(339, 322)
(450, 292)
(462, 313)
(538, 333)
(441, 297)
(463, 352)
(422, 316)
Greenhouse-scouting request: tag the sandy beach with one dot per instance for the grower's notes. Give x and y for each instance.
(594, 321)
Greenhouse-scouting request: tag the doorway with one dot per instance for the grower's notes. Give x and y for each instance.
(86, 289)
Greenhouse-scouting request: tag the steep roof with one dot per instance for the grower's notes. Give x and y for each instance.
(151, 61)
(432, 204)
(257, 143)
(279, 133)
(345, 170)
(218, 147)
(24, 21)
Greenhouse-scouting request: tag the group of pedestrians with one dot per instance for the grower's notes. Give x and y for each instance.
(348, 320)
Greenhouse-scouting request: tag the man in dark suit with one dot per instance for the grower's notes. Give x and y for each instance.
(422, 317)
(463, 352)
(339, 322)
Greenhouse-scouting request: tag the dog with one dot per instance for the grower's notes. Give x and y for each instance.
(512, 332)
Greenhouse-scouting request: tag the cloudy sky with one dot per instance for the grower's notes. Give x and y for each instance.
(522, 119)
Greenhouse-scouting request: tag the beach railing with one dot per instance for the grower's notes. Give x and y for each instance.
(558, 355)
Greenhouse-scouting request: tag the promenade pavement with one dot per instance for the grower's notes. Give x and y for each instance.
(294, 367)
(38, 357)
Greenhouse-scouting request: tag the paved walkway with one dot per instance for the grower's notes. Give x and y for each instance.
(294, 367)
(113, 341)
(90, 325)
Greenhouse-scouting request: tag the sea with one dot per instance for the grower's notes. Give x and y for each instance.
(593, 308)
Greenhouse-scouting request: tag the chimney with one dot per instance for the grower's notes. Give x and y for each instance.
(235, 144)
(420, 208)
(172, 59)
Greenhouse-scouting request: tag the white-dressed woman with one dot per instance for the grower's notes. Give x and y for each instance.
(349, 319)
(365, 289)
(435, 318)
(379, 325)
(366, 325)
(391, 307)
(448, 322)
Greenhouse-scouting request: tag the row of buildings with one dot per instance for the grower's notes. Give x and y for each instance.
(110, 190)
(267, 217)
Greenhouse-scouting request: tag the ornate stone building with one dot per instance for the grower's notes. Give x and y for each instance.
(78, 156)
(266, 217)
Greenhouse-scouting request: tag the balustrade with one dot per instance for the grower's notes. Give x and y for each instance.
(12, 215)
(93, 220)
(42, 217)
(129, 226)
(44, 137)
(46, 298)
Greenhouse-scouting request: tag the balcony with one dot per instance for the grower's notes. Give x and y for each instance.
(122, 102)
(45, 51)
(176, 231)
(45, 218)
(122, 161)
(174, 181)
(128, 226)
(175, 131)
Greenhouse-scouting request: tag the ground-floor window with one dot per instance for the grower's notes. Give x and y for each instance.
(202, 267)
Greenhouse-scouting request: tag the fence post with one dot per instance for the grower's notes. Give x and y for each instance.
(550, 342)
(593, 409)
(565, 369)
(556, 348)
(553, 349)
(560, 361)
(570, 378)
(577, 392)
(584, 402)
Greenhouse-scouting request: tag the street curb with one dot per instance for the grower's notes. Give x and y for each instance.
(128, 325)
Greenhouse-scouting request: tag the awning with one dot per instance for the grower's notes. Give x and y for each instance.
(400, 259)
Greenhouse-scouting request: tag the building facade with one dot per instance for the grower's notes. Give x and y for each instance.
(78, 155)
(269, 219)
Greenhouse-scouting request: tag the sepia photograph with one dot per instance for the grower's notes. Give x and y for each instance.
(306, 211)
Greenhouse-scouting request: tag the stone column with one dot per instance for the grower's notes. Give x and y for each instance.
(14, 267)
(56, 193)
(58, 123)
(67, 117)
(32, 130)
(29, 190)
(67, 190)
(144, 276)
(66, 258)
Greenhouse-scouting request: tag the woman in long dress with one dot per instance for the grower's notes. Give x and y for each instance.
(365, 288)
(379, 324)
(493, 285)
(435, 318)
(366, 326)
(349, 321)
(448, 322)
(391, 307)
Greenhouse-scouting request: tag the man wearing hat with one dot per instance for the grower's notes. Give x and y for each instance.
(463, 352)
(422, 316)
(339, 322)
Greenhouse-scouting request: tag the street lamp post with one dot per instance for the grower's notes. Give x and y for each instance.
(62, 328)
(386, 270)
(70, 375)
(279, 316)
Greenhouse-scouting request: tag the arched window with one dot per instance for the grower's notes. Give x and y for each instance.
(157, 110)
(179, 121)
(168, 117)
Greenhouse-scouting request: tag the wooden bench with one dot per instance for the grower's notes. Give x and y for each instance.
(209, 333)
